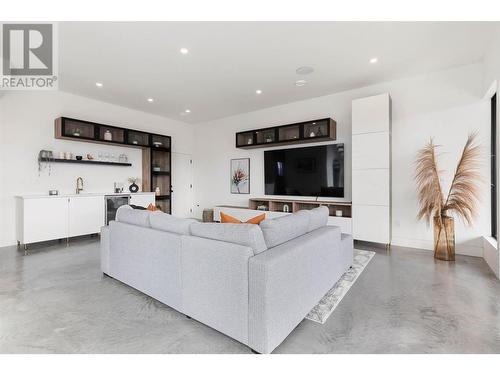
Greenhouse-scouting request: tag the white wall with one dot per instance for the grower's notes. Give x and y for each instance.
(27, 126)
(446, 105)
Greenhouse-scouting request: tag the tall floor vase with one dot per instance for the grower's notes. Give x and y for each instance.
(444, 238)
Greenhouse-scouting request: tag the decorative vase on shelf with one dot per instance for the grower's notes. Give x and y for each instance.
(108, 136)
(77, 132)
(311, 134)
(133, 188)
(286, 208)
(157, 191)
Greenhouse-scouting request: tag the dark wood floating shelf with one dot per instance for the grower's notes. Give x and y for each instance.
(302, 132)
(86, 162)
(162, 197)
(161, 173)
(155, 148)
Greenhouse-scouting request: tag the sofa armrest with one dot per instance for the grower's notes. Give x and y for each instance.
(215, 284)
(287, 281)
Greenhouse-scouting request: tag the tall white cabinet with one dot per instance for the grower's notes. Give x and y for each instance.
(371, 169)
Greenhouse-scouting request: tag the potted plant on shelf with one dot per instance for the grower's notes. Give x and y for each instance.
(462, 198)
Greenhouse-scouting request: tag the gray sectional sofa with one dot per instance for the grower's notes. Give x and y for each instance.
(254, 283)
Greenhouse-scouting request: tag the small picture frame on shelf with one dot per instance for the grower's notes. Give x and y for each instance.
(240, 176)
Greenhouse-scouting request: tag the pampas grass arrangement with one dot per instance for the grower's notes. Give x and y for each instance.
(462, 198)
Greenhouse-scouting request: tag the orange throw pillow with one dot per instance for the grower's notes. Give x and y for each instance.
(152, 207)
(224, 218)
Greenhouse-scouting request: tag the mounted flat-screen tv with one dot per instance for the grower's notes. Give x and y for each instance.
(316, 171)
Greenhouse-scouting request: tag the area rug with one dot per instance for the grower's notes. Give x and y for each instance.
(331, 300)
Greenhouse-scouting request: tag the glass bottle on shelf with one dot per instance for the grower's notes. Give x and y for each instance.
(108, 136)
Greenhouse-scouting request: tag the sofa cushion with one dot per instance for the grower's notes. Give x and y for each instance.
(168, 223)
(242, 234)
(127, 214)
(318, 218)
(285, 228)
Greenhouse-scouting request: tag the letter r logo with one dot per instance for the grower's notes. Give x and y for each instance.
(27, 49)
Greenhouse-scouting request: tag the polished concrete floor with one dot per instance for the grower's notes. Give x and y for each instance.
(57, 301)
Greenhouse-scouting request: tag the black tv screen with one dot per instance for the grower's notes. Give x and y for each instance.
(316, 171)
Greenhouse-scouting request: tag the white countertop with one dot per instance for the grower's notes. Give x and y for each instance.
(34, 196)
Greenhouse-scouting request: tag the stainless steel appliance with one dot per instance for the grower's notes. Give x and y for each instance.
(113, 202)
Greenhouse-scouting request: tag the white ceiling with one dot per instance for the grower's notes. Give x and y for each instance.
(227, 62)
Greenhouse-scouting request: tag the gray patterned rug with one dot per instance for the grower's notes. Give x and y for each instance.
(330, 301)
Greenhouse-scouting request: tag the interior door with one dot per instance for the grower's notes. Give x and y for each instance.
(182, 185)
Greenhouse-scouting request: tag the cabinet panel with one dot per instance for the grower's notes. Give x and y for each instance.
(371, 114)
(86, 215)
(143, 200)
(370, 151)
(45, 219)
(371, 223)
(371, 186)
(344, 223)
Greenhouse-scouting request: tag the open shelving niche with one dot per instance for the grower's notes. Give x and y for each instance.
(302, 132)
(276, 205)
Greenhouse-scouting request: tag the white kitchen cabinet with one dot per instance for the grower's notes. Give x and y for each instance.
(42, 219)
(86, 215)
(143, 200)
(45, 218)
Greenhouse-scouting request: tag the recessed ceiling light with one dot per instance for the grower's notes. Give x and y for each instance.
(373, 60)
(187, 111)
(151, 100)
(184, 51)
(304, 70)
(98, 84)
(258, 92)
(300, 82)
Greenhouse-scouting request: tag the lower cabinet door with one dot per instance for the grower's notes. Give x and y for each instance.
(45, 219)
(371, 223)
(143, 200)
(86, 215)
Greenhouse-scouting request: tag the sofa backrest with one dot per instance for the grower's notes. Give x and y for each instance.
(318, 218)
(126, 214)
(155, 220)
(242, 234)
(285, 228)
(169, 223)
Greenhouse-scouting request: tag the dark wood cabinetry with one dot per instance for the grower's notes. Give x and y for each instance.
(302, 132)
(156, 151)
